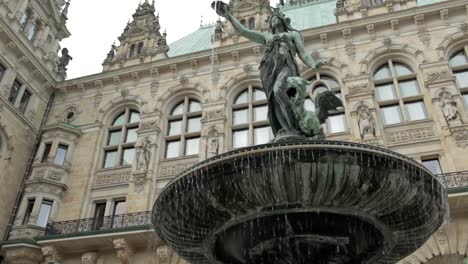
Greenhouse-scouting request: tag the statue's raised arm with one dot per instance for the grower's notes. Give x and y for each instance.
(222, 9)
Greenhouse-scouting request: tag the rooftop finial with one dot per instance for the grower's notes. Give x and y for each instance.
(65, 9)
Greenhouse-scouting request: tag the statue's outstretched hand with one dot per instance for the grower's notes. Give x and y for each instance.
(220, 7)
(320, 63)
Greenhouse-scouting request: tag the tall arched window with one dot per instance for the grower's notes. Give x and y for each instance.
(32, 30)
(132, 51)
(250, 118)
(184, 126)
(252, 23)
(121, 139)
(336, 123)
(398, 93)
(459, 64)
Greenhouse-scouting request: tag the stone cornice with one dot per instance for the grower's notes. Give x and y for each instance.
(62, 127)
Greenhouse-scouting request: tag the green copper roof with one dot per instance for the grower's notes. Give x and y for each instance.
(316, 13)
(194, 42)
(428, 2)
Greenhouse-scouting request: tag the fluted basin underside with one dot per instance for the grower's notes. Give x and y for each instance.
(301, 202)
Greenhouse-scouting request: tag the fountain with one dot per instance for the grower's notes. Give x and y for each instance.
(299, 199)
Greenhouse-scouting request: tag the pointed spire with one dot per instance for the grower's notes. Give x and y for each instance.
(65, 9)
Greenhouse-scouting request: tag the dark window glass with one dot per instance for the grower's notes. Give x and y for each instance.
(132, 51)
(119, 207)
(110, 159)
(252, 23)
(433, 165)
(29, 209)
(14, 91)
(24, 101)
(2, 71)
(47, 149)
(44, 213)
(140, 47)
(61, 155)
(99, 212)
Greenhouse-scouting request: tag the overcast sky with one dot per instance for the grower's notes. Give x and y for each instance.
(95, 24)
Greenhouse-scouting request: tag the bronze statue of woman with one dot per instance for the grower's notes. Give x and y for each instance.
(278, 64)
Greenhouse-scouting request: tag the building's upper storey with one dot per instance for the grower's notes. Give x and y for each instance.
(41, 26)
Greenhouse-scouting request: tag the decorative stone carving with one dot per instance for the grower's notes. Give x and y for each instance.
(111, 179)
(64, 60)
(358, 89)
(464, 28)
(70, 114)
(438, 76)
(139, 180)
(164, 254)
(89, 258)
(168, 171)
(213, 116)
(149, 126)
(212, 143)
(350, 50)
(425, 38)
(143, 156)
(366, 123)
(154, 88)
(123, 250)
(450, 110)
(411, 135)
(51, 255)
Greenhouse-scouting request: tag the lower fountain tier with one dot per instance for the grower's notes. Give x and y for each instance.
(317, 202)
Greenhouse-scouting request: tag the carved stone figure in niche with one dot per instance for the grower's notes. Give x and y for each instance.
(64, 60)
(212, 143)
(143, 155)
(449, 109)
(366, 123)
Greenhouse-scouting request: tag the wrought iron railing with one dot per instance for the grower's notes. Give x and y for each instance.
(105, 223)
(453, 180)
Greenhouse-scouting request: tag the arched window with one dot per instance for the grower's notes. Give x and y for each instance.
(250, 118)
(459, 64)
(243, 22)
(121, 139)
(336, 123)
(132, 51)
(25, 19)
(32, 30)
(184, 126)
(252, 23)
(398, 93)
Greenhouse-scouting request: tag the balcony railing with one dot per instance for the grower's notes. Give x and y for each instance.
(454, 180)
(106, 223)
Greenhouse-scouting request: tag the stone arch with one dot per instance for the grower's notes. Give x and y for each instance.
(237, 84)
(172, 95)
(451, 44)
(113, 107)
(401, 52)
(358, 105)
(334, 67)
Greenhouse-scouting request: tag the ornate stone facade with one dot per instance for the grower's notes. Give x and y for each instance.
(85, 112)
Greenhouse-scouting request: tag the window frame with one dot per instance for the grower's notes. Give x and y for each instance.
(67, 149)
(433, 158)
(49, 202)
(402, 101)
(30, 202)
(251, 125)
(184, 135)
(122, 144)
(324, 79)
(459, 69)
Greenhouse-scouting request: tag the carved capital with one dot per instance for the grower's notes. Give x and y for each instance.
(123, 250)
(89, 258)
(51, 254)
(164, 254)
